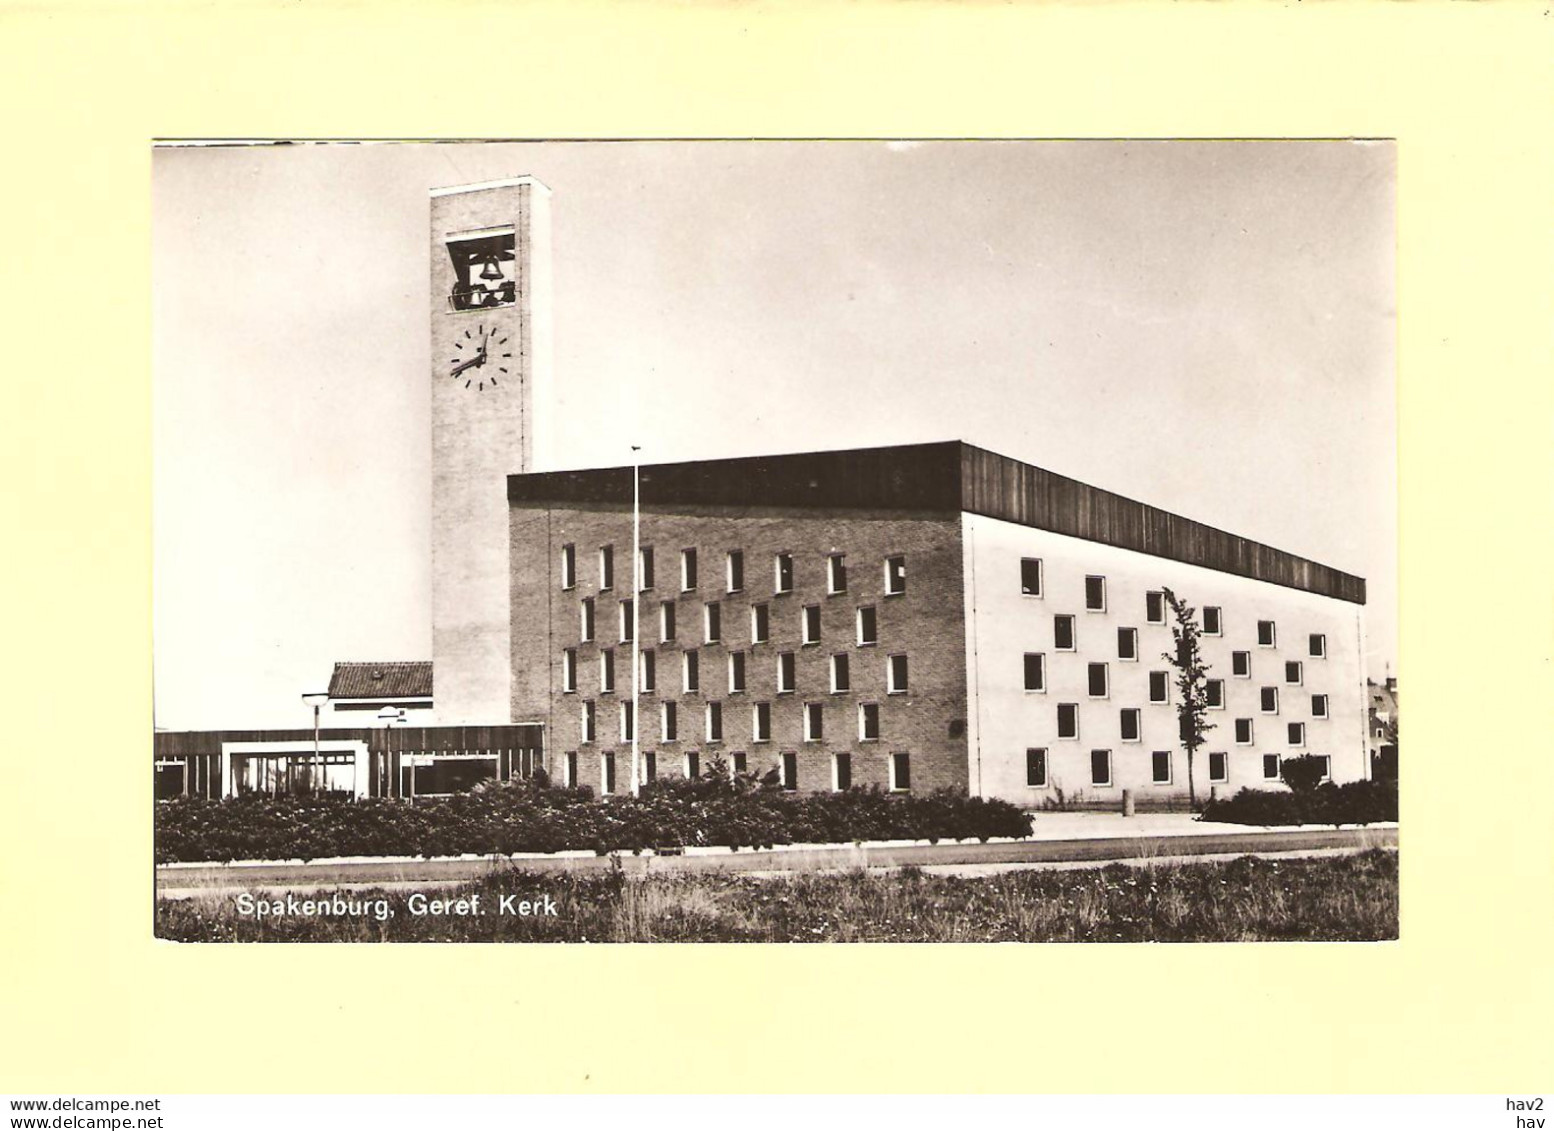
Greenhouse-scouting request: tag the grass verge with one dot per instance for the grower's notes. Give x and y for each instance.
(1245, 900)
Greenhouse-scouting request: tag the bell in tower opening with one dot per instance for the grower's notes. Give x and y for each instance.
(484, 265)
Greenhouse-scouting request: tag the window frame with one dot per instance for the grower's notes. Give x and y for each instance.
(1320, 707)
(569, 671)
(759, 612)
(1138, 724)
(1073, 632)
(836, 574)
(814, 723)
(839, 758)
(606, 771)
(1278, 766)
(713, 718)
(1209, 687)
(1316, 645)
(628, 720)
(628, 619)
(606, 567)
(1111, 770)
(1041, 755)
(1089, 608)
(788, 762)
(1295, 735)
(1131, 635)
(1158, 596)
(841, 662)
(668, 622)
(1262, 700)
(865, 710)
(1224, 774)
(809, 625)
(711, 622)
(1073, 709)
(895, 582)
(892, 687)
(606, 671)
(1170, 768)
(1165, 683)
(737, 664)
(1247, 674)
(1219, 620)
(1106, 679)
(1300, 673)
(647, 675)
(690, 576)
(1273, 634)
(587, 627)
(781, 559)
(734, 571)
(1251, 732)
(900, 760)
(1040, 590)
(1041, 673)
(873, 613)
(588, 722)
(668, 721)
(760, 729)
(787, 673)
(690, 671)
(645, 577)
(569, 567)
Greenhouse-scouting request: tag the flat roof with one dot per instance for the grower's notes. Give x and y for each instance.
(945, 477)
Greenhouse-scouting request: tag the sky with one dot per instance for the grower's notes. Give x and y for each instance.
(1208, 327)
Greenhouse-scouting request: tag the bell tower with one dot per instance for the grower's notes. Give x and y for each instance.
(490, 341)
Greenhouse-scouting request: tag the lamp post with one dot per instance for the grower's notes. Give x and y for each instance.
(388, 717)
(316, 699)
(636, 611)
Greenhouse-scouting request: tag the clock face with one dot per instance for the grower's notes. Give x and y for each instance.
(482, 356)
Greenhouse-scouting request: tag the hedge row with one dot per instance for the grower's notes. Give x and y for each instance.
(528, 817)
(1353, 803)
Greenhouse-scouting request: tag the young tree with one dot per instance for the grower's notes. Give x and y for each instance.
(1192, 684)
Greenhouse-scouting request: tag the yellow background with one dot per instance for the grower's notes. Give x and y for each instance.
(91, 1003)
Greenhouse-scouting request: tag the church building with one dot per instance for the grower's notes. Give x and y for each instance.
(913, 618)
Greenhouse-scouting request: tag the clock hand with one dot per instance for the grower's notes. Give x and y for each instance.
(478, 359)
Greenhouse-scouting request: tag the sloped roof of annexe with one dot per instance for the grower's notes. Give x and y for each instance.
(394, 679)
(946, 477)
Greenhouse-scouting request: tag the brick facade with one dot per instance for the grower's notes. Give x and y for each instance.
(925, 624)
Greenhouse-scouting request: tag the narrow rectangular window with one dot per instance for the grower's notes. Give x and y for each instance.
(1327, 766)
(589, 716)
(1030, 577)
(790, 770)
(586, 628)
(810, 624)
(895, 576)
(784, 572)
(666, 621)
(1293, 672)
(1154, 607)
(736, 571)
(1219, 766)
(1212, 621)
(606, 670)
(736, 672)
(1095, 594)
(760, 623)
(1160, 767)
(841, 674)
(1265, 633)
(606, 567)
(1270, 701)
(1297, 734)
(737, 762)
(1214, 694)
(814, 723)
(841, 772)
(569, 770)
(1100, 767)
(569, 669)
(761, 722)
(786, 672)
(569, 566)
(1243, 732)
(1036, 766)
(1241, 664)
(896, 675)
(1068, 720)
(1097, 681)
(645, 567)
(1063, 632)
(1159, 687)
(628, 620)
(836, 573)
(628, 721)
(1319, 706)
(1035, 671)
(1318, 645)
(1127, 644)
(868, 626)
(669, 722)
(607, 772)
(690, 663)
(692, 765)
(1270, 767)
(687, 569)
(712, 622)
(649, 766)
(900, 772)
(649, 670)
(1130, 724)
(714, 722)
(868, 721)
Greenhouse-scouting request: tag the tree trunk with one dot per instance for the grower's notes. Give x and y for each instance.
(1192, 789)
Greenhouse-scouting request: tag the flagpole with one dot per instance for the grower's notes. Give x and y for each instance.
(636, 613)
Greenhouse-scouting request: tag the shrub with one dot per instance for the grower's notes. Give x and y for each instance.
(715, 809)
(1353, 803)
(1302, 774)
